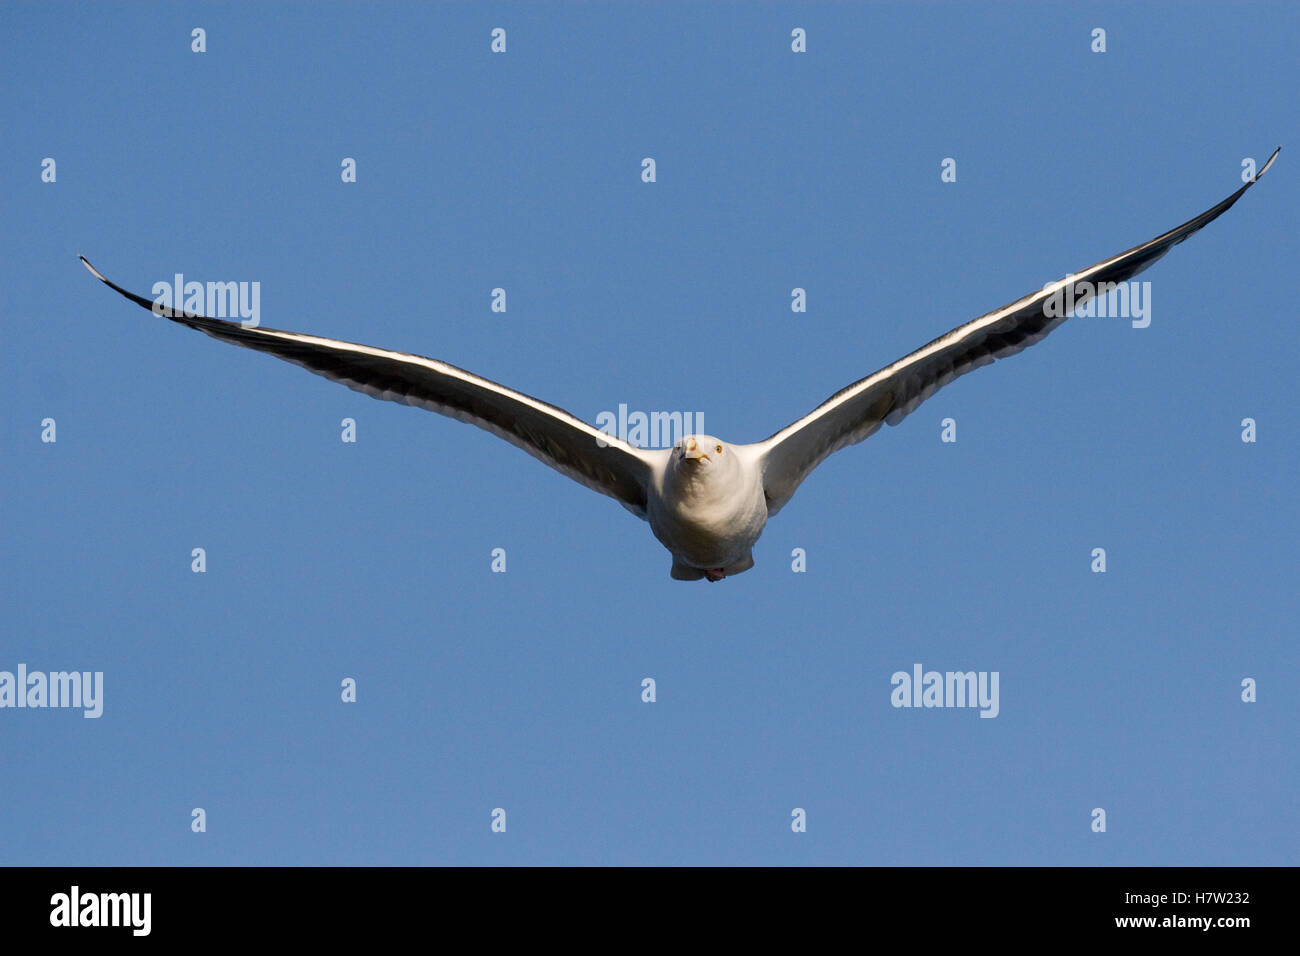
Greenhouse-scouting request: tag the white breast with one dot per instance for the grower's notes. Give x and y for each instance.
(709, 523)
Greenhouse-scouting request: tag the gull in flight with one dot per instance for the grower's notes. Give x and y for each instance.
(706, 500)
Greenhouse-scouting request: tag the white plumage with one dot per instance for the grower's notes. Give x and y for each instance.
(707, 501)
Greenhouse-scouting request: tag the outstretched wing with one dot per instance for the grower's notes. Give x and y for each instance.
(891, 394)
(600, 461)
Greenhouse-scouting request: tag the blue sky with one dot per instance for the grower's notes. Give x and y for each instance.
(775, 170)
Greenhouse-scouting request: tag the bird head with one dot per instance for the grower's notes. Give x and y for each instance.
(702, 458)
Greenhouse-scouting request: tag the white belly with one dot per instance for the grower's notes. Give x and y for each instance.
(708, 533)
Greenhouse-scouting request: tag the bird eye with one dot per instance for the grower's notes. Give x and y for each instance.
(719, 449)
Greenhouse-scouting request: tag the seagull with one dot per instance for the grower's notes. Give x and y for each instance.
(707, 501)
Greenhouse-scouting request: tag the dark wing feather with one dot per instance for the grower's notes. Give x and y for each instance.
(894, 392)
(600, 461)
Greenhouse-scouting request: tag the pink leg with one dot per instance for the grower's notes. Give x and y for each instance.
(715, 574)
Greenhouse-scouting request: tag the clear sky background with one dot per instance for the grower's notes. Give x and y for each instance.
(522, 690)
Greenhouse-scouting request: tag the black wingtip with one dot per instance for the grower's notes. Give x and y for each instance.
(93, 271)
(1268, 164)
(137, 299)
